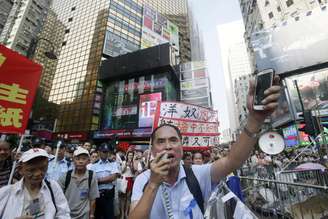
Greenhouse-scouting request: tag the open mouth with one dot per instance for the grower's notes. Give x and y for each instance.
(170, 156)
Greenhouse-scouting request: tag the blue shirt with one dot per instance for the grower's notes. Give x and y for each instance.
(180, 197)
(55, 171)
(104, 169)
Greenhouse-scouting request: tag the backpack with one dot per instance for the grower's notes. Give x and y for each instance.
(69, 176)
(193, 186)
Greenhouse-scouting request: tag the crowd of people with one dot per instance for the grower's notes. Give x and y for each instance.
(86, 159)
(84, 182)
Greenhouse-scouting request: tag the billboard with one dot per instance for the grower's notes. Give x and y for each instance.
(194, 84)
(296, 43)
(156, 29)
(114, 45)
(290, 134)
(147, 108)
(198, 125)
(283, 113)
(19, 79)
(313, 87)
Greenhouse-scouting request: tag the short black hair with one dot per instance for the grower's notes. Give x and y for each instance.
(152, 137)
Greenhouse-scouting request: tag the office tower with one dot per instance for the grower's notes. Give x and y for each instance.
(24, 22)
(75, 76)
(266, 14)
(5, 8)
(236, 64)
(176, 11)
(89, 31)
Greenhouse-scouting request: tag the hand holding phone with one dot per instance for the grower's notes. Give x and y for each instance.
(264, 80)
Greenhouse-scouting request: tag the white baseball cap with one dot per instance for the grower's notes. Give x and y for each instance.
(79, 151)
(33, 153)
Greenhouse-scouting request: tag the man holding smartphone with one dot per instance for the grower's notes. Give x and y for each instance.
(165, 190)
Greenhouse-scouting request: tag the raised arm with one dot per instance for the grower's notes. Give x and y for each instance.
(242, 148)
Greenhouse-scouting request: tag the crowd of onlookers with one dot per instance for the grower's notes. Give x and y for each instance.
(123, 167)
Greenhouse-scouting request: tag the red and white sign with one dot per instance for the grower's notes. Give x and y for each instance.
(19, 79)
(147, 108)
(198, 125)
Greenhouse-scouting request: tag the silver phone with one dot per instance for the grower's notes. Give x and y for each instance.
(264, 80)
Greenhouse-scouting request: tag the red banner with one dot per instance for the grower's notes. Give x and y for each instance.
(19, 79)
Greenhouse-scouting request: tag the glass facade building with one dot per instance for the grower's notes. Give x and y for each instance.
(86, 32)
(75, 77)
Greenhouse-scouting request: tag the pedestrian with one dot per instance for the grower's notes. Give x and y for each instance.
(33, 196)
(197, 158)
(80, 186)
(94, 157)
(87, 146)
(170, 190)
(128, 173)
(58, 167)
(187, 159)
(5, 163)
(106, 172)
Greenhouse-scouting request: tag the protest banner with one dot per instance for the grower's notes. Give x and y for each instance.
(198, 125)
(19, 79)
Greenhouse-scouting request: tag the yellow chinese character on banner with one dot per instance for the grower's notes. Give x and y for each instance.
(2, 59)
(13, 93)
(11, 117)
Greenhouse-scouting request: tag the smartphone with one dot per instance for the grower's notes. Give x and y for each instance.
(264, 80)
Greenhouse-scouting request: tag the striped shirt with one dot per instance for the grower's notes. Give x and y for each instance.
(5, 170)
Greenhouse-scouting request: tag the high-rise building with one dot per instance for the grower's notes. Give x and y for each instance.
(177, 12)
(81, 26)
(241, 86)
(88, 32)
(5, 8)
(24, 22)
(236, 64)
(266, 14)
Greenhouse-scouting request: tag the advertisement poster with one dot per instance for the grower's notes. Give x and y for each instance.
(16, 92)
(156, 29)
(116, 46)
(198, 125)
(290, 134)
(147, 108)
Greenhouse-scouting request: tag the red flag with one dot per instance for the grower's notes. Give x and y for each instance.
(19, 79)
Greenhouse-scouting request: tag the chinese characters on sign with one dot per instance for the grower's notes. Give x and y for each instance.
(198, 125)
(16, 92)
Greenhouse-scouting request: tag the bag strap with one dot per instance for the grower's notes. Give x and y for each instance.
(194, 187)
(51, 193)
(67, 179)
(90, 178)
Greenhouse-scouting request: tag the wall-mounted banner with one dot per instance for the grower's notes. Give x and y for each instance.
(198, 125)
(19, 79)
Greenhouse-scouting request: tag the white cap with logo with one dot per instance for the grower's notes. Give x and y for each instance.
(33, 153)
(79, 151)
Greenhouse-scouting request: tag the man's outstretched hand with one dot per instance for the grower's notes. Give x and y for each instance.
(270, 102)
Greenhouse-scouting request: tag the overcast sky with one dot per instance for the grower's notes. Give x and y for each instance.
(210, 14)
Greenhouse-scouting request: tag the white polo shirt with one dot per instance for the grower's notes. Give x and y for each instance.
(179, 194)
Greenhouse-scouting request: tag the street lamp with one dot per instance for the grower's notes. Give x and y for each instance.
(49, 54)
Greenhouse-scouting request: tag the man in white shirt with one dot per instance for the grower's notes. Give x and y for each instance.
(33, 196)
(165, 190)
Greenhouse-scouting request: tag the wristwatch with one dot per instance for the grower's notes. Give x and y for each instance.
(251, 134)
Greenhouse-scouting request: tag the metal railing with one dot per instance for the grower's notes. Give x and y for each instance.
(298, 195)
